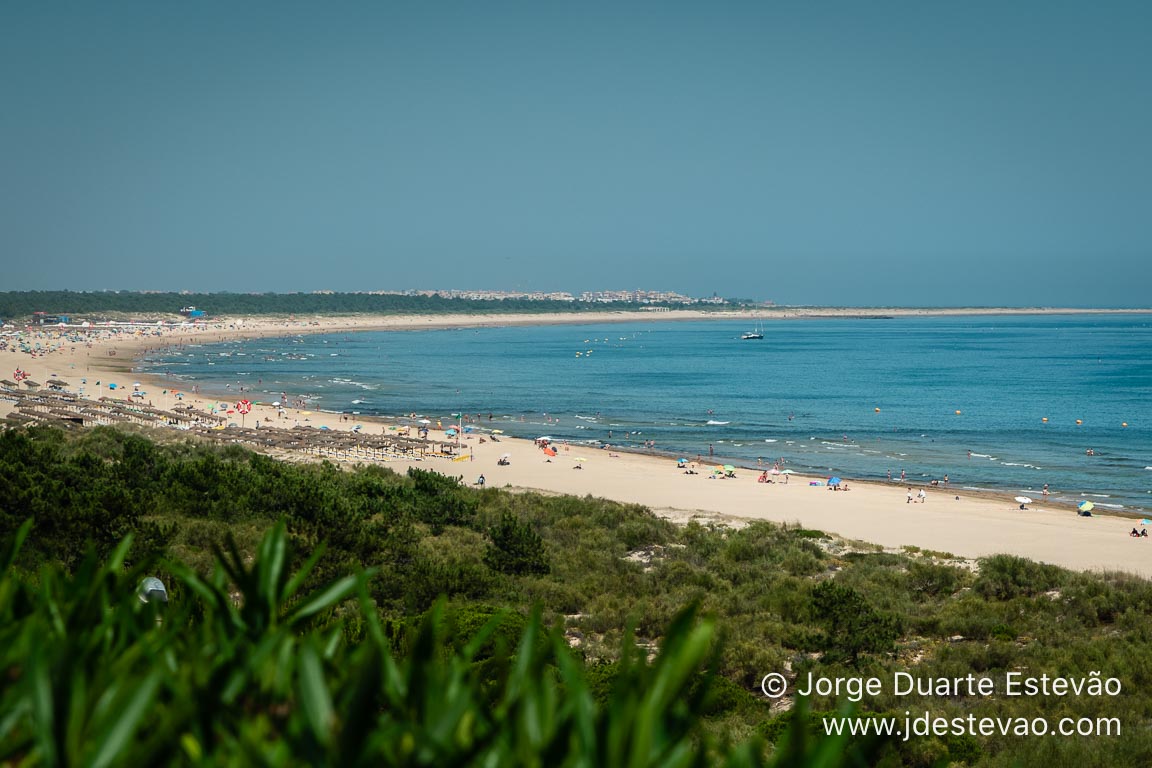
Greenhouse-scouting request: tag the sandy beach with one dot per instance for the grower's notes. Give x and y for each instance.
(956, 522)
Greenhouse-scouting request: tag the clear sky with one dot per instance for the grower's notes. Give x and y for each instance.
(849, 153)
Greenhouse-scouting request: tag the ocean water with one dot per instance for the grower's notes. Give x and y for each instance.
(957, 396)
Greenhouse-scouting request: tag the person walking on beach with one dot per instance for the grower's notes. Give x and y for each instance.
(909, 496)
(921, 496)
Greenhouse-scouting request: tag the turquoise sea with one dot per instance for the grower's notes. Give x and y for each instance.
(853, 397)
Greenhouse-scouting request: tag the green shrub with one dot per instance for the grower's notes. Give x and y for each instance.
(516, 548)
(851, 626)
(1003, 577)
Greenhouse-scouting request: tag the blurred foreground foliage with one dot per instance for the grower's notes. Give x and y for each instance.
(493, 579)
(92, 675)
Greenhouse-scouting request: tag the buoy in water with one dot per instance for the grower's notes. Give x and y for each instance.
(877, 410)
(1123, 423)
(957, 413)
(1079, 421)
(1044, 419)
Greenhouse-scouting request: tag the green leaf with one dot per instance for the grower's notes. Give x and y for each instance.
(333, 594)
(315, 699)
(126, 719)
(273, 553)
(301, 575)
(13, 546)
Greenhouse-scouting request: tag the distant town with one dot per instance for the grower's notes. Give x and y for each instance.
(596, 297)
(63, 307)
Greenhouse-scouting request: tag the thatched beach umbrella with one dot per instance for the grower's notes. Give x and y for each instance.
(31, 384)
(8, 384)
(57, 383)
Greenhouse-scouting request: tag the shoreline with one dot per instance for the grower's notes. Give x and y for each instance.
(967, 523)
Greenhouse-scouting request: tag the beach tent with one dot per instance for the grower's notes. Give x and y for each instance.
(152, 590)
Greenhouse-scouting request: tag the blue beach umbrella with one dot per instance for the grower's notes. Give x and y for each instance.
(1085, 506)
(834, 481)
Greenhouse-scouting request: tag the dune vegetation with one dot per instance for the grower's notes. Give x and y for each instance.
(321, 614)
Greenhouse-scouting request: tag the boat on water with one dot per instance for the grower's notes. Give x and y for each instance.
(758, 333)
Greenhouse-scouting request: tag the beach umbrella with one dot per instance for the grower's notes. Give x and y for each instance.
(1023, 500)
(1086, 506)
(497, 431)
(544, 439)
(1146, 521)
(834, 481)
(787, 472)
(729, 468)
(8, 383)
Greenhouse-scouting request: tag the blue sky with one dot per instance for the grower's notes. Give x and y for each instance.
(891, 153)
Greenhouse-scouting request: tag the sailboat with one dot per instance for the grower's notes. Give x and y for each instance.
(756, 334)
